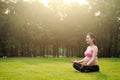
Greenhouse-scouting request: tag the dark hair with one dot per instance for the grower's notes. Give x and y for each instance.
(93, 37)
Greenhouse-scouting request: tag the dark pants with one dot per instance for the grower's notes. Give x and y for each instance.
(81, 68)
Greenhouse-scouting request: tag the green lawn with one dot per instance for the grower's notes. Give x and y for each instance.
(55, 69)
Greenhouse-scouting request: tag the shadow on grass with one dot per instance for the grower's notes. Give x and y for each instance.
(98, 75)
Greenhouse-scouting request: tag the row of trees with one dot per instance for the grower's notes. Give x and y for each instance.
(33, 29)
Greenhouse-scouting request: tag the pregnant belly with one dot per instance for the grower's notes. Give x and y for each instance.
(86, 59)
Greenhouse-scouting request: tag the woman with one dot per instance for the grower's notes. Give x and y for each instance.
(90, 62)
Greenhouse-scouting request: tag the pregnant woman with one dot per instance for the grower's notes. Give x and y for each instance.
(90, 62)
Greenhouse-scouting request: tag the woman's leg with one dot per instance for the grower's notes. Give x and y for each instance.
(93, 68)
(77, 66)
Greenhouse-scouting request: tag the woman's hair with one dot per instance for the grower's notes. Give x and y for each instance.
(93, 37)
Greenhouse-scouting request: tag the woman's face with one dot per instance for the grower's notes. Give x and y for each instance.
(89, 40)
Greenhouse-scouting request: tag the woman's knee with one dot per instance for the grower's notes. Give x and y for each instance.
(76, 64)
(97, 68)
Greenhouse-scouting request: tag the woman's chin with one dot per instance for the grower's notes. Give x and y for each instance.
(88, 43)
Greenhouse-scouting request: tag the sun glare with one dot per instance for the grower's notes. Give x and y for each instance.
(80, 2)
(29, 0)
(66, 2)
(45, 2)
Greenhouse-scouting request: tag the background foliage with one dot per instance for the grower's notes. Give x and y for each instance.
(29, 28)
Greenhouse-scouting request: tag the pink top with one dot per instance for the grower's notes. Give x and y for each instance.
(88, 56)
(88, 52)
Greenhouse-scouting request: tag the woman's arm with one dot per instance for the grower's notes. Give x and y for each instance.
(80, 61)
(95, 50)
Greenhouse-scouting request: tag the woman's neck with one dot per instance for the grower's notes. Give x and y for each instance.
(92, 44)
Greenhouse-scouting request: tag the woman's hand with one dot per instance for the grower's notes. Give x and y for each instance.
(75, 61)
(84, 64)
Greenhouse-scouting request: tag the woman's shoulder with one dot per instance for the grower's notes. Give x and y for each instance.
(95, 47)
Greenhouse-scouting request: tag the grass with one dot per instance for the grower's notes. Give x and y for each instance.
(55, 69)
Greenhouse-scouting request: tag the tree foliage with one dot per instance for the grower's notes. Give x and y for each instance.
(29, 28)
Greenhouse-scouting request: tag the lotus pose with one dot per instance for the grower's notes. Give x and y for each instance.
(90, 62)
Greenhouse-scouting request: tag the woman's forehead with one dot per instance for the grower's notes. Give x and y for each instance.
(87, 36)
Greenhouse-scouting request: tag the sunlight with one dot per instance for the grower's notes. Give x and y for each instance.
(45, 2)
(97, 13)
(80, 2)
(66, 2)
(29, 0)
(62, 5)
